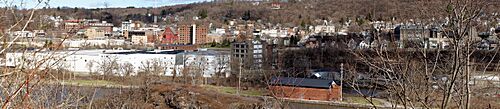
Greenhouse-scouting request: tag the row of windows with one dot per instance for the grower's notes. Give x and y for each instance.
(240, 51)
(239, 56)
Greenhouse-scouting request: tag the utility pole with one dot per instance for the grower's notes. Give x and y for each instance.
(239, 77)
(341, 79)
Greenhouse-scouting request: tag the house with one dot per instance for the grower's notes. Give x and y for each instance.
(23, 34)
(39, 33)
(217, 38)
(305, 89)
(488, 42)
(425, 36)
(329, 29)
(276, 5)
(217, 35)
(411, 32)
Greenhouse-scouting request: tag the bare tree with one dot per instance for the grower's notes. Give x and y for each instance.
(153, 67)
(24, 86)
(90, 66)
(221, 67)
(127, 69)
(109, 66)
(423, 77)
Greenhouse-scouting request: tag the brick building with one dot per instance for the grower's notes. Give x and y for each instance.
(306, 89)
(169, 36)
(192, 34)
(105, 26)
(72, 26)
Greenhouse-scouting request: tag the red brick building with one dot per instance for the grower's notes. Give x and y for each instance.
(178, 47)
(107, 27)
(306, 89)
(72, 26)
(192, 34)
(169, 36)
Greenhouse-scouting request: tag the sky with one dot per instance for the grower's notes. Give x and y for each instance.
(101, 3)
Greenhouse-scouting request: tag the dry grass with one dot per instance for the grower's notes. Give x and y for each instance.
(233, 90)
(361, 100)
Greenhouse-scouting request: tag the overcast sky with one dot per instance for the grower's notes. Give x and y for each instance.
(101, 3)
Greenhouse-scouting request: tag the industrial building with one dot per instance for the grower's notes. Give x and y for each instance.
(306, 89)
(207, 63)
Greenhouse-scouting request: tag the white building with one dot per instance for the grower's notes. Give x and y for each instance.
(275, 33)
(324, 29)
(126, 26)
(208, 63)
(93, 43)
(219, 31)
(138, 39)
(22, 34)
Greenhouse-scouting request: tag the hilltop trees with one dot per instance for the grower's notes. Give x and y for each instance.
(203, 14)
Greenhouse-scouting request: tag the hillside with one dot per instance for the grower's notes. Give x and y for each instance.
(291, 13)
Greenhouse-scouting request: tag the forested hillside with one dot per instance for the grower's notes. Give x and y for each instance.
(293, 12)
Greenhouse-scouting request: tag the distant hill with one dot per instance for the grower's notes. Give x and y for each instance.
(293, 12)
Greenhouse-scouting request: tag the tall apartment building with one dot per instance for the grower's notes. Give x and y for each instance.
(192, 34)
(248, 57)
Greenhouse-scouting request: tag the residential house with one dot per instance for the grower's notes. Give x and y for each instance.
(23, 34)
(328, 29)
(276, 5)
(39, 33)
(218, 35)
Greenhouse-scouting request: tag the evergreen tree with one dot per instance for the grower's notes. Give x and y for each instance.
(246, 15)
(203, 13)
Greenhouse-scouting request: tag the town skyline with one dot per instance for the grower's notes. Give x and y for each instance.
(250, 54)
